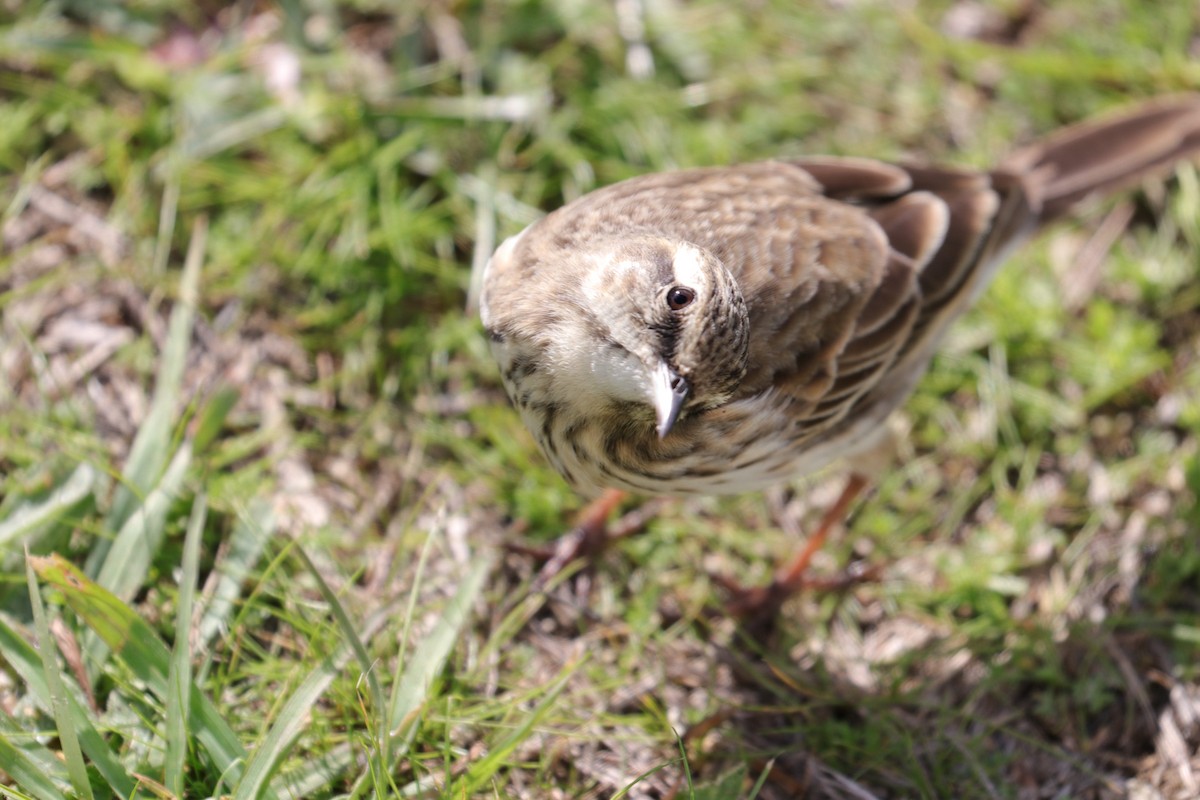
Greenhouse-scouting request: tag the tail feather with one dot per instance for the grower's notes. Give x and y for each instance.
(1103, 155)
(1036, 185)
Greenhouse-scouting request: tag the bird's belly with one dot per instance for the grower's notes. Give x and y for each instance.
(744, 447)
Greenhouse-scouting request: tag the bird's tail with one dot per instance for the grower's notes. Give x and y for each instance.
(1038, 184)
(1105, 154)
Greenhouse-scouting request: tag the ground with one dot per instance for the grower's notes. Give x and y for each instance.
(253, 441)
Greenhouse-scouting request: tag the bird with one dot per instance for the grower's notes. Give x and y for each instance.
(721, 329)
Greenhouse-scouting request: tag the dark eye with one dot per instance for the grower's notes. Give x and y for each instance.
(679, 297)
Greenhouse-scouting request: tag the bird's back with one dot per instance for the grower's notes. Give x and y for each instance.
(851, 270)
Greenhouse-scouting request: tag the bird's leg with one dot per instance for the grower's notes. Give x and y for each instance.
(761, 602)
(591, 534)
(791, 574)
(587, 539)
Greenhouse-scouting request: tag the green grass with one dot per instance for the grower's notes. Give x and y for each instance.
(259, 459)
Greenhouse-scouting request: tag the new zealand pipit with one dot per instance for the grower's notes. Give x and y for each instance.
(719, 330)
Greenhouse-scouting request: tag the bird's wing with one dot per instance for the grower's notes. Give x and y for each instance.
(851, 268)
(899, 245)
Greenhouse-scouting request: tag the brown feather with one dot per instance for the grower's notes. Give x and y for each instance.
(850, 270)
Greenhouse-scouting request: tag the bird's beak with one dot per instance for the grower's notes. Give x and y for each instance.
(669, 392)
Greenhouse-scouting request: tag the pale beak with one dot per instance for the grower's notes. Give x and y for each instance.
(669, 392)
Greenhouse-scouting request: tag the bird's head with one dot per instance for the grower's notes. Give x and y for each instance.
(666, 328)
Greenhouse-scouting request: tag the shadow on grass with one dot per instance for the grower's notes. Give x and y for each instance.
(878, 701)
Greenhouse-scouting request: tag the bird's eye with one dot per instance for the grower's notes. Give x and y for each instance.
(679, 297)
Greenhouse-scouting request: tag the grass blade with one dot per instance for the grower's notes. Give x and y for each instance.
(297, 713)
(366, 665)
(211, 418)
(315, 774)
(246, 544)
(150, 448)
(30, 765)
(63, 718)
(27, 518)
(128, 562)
(292, 720)
(179, 678)
(136, 644)
(348, 632)
(331, 763)
(482, 771)
(129, 558)
(20, 656)
(430, 658)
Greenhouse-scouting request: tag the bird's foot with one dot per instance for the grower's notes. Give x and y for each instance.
(758, 606)
(753, 605)
(753, 602)
(590, 536)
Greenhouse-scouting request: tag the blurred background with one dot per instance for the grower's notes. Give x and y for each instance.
(252, 436)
